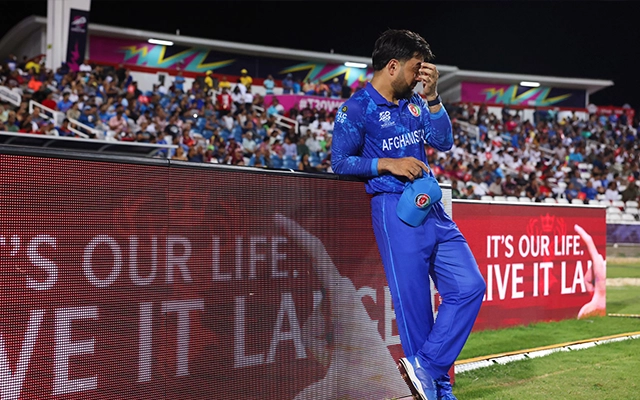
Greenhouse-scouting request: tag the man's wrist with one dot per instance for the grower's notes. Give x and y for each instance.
(434, 100)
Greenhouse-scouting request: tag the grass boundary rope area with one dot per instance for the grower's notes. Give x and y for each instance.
(623, 315)
(503, 358)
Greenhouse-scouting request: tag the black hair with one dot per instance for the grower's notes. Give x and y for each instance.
(401, 45)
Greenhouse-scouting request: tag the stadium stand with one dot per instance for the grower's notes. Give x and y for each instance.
(502, 157)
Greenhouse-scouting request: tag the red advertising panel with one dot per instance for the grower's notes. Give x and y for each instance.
(124, 281)
(128, 281)
(540, 262)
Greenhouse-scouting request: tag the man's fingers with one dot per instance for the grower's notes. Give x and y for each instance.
(424, 166)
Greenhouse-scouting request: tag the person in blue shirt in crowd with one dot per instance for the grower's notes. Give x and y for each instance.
(178, 82)
(88, 116)
(335, 88)
(64, 104)
(287, 84)
(380, 135)
(297, 86)
(269, 84)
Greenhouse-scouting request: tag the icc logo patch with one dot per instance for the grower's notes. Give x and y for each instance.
(422, 200)
(414, 110)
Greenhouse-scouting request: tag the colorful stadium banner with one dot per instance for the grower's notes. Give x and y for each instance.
(288, 101)
(77, 41)
(536, 260)
(193, 60)
(153, 285)
(502, 94)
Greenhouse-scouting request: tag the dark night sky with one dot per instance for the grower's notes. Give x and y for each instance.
(596, 40)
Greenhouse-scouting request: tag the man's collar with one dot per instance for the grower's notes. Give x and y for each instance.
(378, 98)
(375, 95)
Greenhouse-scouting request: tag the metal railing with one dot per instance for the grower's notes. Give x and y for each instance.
(47, 112)
(10, 96)
(75, 126)
(281, 120)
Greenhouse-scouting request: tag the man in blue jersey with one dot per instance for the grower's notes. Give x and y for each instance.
(380, 134)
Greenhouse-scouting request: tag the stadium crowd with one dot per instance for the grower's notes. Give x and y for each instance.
(495, 156)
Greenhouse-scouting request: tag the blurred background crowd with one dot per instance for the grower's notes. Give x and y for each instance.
(496, 155)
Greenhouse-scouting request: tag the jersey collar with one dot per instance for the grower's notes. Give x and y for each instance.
(379, 99)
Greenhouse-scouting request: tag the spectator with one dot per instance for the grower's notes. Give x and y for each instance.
(455, 192)
(196, 154)
(322, 89)
(249, 145)
(297, 86)
(64, 104)
(64, 130)
(224, 83)
(27, 125)
(248, 100)
(36, 116)
(48, 128)
(287, 84)
(187, 139)
(495, 189)
(335, 88)
(233, 152)
(178, 82)
(309, 88)
(269, 84)
(246, 79)
(34, 83)
(84, 67)
(208, 81)
(179, 154)
(118, 123)
(289, 148)
(32, 67)
(631, 192)
(12, 124)
(275, 107)
(612, 193)
(49, 102)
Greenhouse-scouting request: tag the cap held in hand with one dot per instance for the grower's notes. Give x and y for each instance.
(417, 200)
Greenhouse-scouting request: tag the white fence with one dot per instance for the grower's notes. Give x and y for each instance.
(10, 96)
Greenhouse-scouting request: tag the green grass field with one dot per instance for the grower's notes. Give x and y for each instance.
(623, 268)
(607, 371)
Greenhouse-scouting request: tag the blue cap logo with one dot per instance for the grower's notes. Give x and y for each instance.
(422, 200)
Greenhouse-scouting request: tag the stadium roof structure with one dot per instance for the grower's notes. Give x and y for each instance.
(450, 76)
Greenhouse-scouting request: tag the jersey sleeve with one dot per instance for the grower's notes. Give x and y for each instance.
(348, 141)
(439, 132)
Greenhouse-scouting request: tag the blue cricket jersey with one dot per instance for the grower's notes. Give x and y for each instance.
(368, 127)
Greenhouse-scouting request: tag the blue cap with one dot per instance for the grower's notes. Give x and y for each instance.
(417, 199)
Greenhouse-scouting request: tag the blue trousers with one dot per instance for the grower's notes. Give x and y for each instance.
(410, 255)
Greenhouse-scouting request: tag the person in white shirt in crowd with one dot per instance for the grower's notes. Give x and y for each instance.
(248, 144)
(312, 142)
(612, 192)
(248, 100)
(457, 151)
(496, 187)
(290, 148)
(321, 123)
(508, 156)
(84, 67)
(515, 163)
